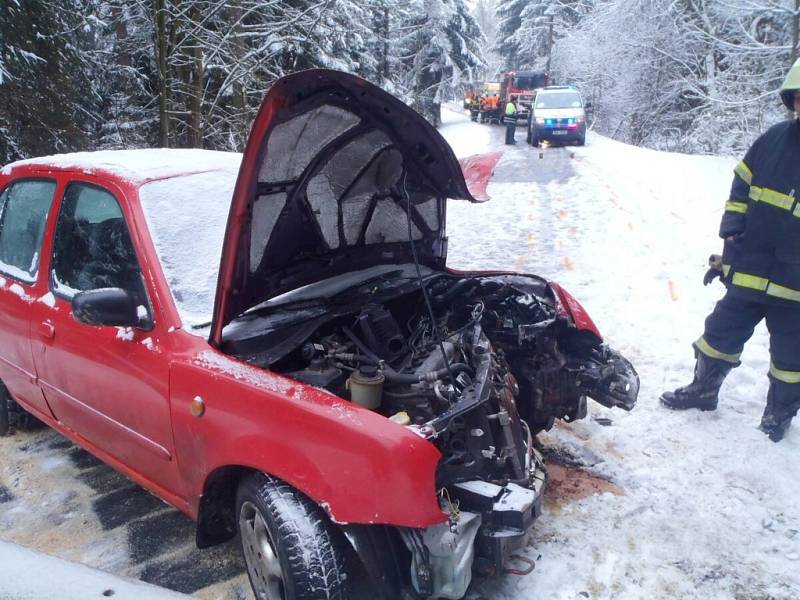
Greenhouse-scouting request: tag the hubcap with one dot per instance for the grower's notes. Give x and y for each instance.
(259, 553)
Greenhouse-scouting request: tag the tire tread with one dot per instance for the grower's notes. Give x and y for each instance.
(306, 539)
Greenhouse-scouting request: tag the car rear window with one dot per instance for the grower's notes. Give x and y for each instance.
(186, 217)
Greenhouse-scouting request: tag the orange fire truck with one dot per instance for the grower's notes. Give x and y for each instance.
(523, 85)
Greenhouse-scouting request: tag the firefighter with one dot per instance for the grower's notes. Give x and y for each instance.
(760, 268)
(486, 108)
(511, 120)
(495, 116)
(475, 107)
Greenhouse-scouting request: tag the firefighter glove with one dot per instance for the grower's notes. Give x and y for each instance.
(711, 275)
(715, 269)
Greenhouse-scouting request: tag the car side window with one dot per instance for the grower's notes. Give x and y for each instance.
(93, 247)
(23, 214)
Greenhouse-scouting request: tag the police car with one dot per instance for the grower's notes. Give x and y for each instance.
(558, 114)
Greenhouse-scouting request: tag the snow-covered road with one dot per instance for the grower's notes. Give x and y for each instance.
(707, 506)
(710, 506)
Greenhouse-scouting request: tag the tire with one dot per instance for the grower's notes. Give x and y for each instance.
(582, 141)
(291, 550)
(5, 424)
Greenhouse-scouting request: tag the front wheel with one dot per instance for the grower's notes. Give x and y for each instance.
(290, 548)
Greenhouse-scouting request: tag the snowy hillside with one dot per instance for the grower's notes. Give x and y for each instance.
(708, 506)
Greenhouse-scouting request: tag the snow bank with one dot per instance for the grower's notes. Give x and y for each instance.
(30, 575)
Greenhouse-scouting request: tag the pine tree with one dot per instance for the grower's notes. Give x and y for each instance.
(46, 103)
(124, 75)
(509, 20)
(441, 48)
(486, 18)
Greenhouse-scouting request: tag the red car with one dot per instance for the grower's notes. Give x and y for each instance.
(273, 344)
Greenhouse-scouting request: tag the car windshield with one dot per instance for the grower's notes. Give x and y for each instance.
(186, 216)
(558, 100)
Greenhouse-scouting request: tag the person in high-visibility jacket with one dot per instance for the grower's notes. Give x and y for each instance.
(511, 119)
(486, 108)
(760, 266)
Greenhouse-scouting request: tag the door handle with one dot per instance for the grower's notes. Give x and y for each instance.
(47, 330)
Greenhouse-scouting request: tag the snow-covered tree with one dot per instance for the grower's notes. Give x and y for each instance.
(692, 75)
(542, 24)
(220, 56)
(46, 102)
(441, 46)
(124, 75)
(509, 20)
(486, 18)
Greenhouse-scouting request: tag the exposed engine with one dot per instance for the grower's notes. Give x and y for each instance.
(500, 360)
(499, 364)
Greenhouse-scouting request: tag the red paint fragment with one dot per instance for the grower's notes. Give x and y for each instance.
(477, 169)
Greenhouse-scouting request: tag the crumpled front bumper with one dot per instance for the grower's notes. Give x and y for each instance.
(491, 521)
(507, 514)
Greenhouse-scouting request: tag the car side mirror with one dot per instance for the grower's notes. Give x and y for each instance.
(109, 306)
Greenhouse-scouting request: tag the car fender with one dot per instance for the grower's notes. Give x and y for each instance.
(359, 466)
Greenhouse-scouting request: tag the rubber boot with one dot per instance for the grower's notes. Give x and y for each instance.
(703, 392)
(783, 400)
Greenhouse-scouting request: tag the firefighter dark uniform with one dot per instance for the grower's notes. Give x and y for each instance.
(511, 120)
(761, 269)
(475, 108)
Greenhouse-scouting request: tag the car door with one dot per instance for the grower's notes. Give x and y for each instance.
(24, 207)
(107, 384)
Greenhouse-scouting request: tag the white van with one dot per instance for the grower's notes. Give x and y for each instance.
(558, 115)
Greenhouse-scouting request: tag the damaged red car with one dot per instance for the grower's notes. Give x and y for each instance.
(274, 344)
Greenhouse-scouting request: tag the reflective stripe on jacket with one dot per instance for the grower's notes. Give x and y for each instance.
(762, 216)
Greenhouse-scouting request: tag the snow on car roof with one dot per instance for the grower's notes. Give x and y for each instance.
(185, 196)
(137, 166)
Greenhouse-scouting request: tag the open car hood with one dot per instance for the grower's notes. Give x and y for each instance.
(331, 164)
